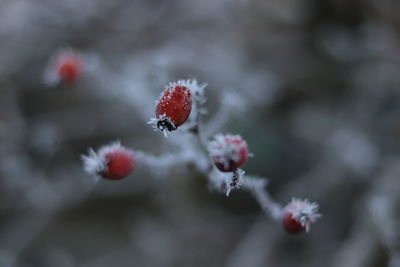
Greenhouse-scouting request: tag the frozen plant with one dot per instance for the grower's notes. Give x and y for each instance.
(218, 157)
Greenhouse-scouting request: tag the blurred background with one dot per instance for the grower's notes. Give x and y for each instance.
(318, 83)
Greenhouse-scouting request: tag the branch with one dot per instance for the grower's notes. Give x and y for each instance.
(230, 102)
(228, 182)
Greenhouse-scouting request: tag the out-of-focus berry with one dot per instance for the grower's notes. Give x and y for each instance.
(298, 216)
(112, 162)
(65, 67)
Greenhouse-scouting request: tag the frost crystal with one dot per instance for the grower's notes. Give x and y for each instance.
(235, 181)
(93, 163)
(193, 86)
(303, 211)
(197, 90)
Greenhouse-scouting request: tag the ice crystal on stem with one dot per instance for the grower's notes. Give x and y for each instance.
(235, 181)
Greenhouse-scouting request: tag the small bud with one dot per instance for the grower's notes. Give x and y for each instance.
(228, 152)
(111, 162)
(298, 215)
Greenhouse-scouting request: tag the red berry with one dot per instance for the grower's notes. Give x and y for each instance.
(111, 162)
(298, 216)
(68, 67)
(119, 164)
(174, 106)
(291, 224)
(228, 152)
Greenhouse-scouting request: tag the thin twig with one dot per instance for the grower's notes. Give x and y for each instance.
(255, 185)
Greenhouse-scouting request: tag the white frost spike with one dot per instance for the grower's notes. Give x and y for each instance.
(235, 181)
(197, 90)
(93, 163)
(223, 151)
(303, 211)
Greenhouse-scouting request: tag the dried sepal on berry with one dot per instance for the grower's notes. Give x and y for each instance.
(235, 181)
(228, 152)
(174, 105)
(163, 123)
(64, 67)
(298, 215)
(112, 161)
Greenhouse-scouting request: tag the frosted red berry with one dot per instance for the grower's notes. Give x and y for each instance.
(228, 152)
(119, 164)
(174, 106)
(68, 68)
(298, 216)
(112, 162)
(290, 224)
(64, 67)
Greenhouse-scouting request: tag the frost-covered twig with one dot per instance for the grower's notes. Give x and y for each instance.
(160, 164)
(231, 103)
(116, 86)
(256, 186)
(199, 100)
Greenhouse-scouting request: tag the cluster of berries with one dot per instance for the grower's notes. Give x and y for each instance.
(228, 152)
